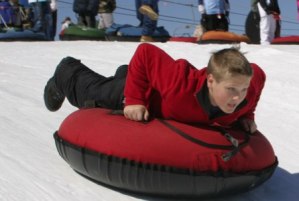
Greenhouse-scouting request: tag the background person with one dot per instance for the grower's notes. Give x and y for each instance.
(214, 14)
(87, 11)
(269, 16)
(42, 17)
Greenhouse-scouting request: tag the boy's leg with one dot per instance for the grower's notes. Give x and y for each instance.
(121, 72)
(79, 84)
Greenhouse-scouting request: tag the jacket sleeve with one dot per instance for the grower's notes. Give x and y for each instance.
(258, 83)
(152, 69)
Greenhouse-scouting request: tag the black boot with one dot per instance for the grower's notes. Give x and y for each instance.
(53, 97)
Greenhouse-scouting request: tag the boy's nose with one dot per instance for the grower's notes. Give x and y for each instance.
(237, 97)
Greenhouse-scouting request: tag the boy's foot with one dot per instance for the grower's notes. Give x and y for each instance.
(52, 96)
(148, 11)
(146, 39)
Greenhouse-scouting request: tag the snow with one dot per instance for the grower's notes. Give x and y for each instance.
(30, 166)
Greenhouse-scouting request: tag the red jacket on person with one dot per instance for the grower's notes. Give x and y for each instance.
(174, 89)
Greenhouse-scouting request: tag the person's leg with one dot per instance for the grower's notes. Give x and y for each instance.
(222, 23)
(272, 28)
(209, 22)
(150, 9)
(81, 19)
(101, 24)
(79, 84)
(264, 30)
(107, 19)
(149, 26)
(264, 26)
(90, 20)
(138, 4)
(54, 27)
(37, 23)
(47, 20)
(277, 29)
(121, 72)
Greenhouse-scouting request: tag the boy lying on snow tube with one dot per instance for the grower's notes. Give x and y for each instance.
(155, 85)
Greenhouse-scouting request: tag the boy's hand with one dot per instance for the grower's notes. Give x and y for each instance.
(249, 125)
(136, 113)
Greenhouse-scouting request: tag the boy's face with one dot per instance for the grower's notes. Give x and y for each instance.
(229, 92)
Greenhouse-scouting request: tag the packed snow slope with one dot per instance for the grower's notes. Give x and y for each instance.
(31, 168)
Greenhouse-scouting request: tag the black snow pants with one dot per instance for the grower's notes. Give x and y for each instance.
(82, 86)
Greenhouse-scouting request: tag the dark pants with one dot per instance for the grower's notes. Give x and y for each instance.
(214, 22)
(81, 85)
(54, 19)
(88, 20)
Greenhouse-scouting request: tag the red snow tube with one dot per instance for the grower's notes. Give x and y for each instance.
(222, 37)
(163, 157)
(286, 40)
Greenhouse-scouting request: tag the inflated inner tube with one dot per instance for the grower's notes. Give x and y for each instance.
(163, 157)
(76, 32)
(17, 34)
(286, 40)
(222, 37)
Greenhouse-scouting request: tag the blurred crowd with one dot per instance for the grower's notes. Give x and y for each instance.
(41, 16)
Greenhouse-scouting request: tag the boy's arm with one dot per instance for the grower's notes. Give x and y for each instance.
(152, 69)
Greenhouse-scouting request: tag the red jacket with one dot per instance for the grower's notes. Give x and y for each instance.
(174, 89)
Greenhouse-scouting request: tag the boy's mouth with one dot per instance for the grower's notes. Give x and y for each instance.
(231, 105)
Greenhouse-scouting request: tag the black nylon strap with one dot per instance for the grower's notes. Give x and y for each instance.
(235, 147)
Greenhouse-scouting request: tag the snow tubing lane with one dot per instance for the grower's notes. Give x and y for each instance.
(222, 37)
(151, 158)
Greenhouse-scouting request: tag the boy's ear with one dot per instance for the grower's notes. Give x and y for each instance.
(210, 80)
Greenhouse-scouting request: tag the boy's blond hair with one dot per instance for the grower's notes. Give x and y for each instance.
(228, 62)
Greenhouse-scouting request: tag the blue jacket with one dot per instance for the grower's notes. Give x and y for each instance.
(215, 6)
